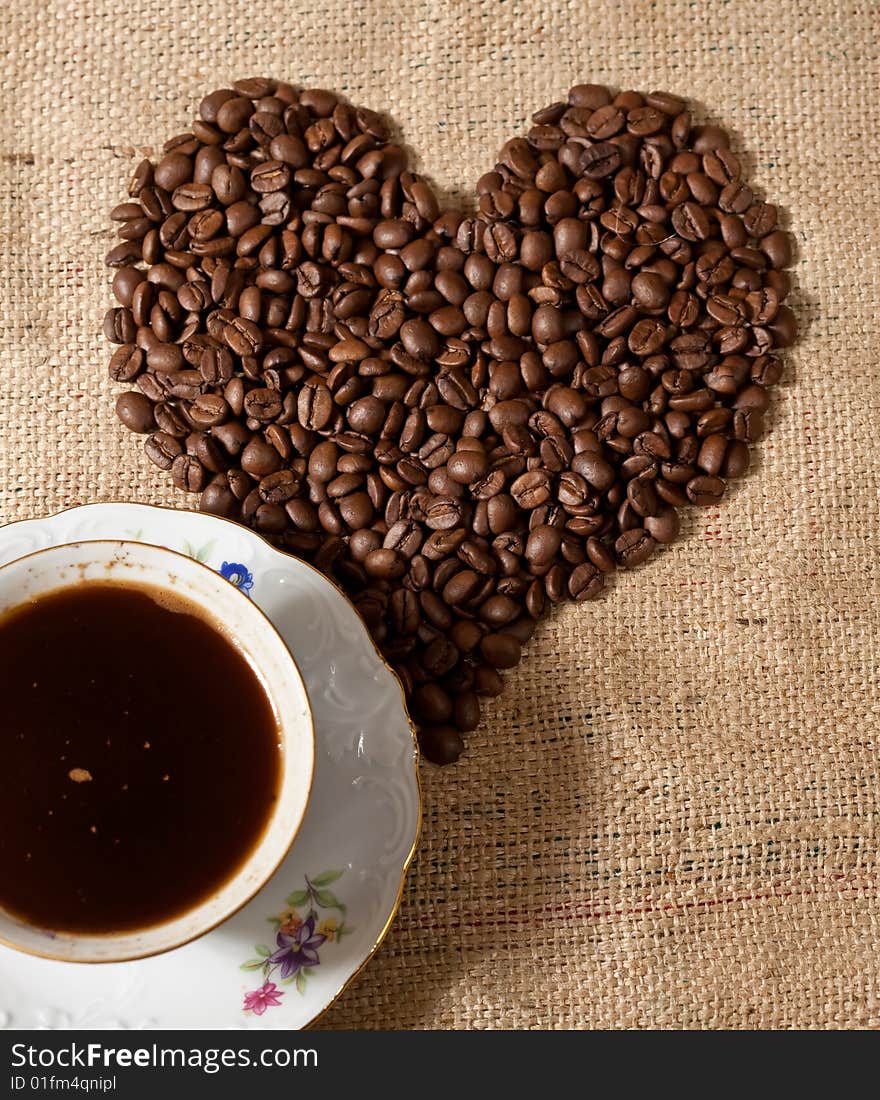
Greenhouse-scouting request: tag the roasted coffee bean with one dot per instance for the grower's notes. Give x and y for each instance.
(499, 611)
(478, 558)
(405, 536)
(487, 681)
(461, 586)
(219, 501)
(634, 547)
(404, 611)
(600, 160)
(168, 419)
(466, 467)
(136, 412)
(314, 406)
(663, 525)
(188, 473)
(440, 657)
(704, 490)
(259, 458)
(572, 491)
(650, 291)
(162, 449)
(271, 175)
(600, 555)
(441, 744)
(595, 469)
(543, 544)
(431, 703)
(466, 711)
(385, 564)
(500, 650)
(531, 489)
(642, 496)
(126, 363)
(736, 459)
(710, 458)
(443, 514)
(690, 221)
(206, 451)
(208, 410)
(459, 419)
(585, 582)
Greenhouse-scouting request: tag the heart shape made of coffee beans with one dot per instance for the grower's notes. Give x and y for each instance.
(462, 419)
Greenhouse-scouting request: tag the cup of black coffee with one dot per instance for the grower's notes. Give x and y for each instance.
(158, 747)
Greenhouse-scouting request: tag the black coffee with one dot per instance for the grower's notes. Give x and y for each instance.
(139, 756)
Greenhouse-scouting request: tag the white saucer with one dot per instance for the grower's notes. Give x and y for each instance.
(284, 958)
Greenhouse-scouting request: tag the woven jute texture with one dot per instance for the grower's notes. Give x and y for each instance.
(670, 817)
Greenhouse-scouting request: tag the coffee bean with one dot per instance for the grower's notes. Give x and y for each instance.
(585, 582)
(259, 458)
(271, 175)
(600, 555)
(704, 491)
(431, 703)
(162, 449)
(233, 113)
(646, 337)
(650, 291)
(441, 744)
(711, 455)
(461, 586)
(440, 657)
(466, 467)
(172, 171)
(663, 525)
(136, 412)
(600, 160)
(219, 501)
(190, 197)
(188, 473)
(642, 496)
(499, 611)
(634, 547)
(314, 405)
(443, 514)
(243, 336)
(690, 221)
(208, 410)
(466, 711)
(405, 536)
(126, 363)
(500, 650)
(572, 491)
(404, 611)
(458, 418)
(385, 564)
(736, 459)
(543, 544)
(594, 469)
(531, 489)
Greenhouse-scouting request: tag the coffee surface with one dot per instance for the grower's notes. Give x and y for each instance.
(139, 755)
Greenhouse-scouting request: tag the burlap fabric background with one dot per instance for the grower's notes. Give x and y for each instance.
(670, 818)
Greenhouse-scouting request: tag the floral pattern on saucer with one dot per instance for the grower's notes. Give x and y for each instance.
(239, 575)
(298, 938)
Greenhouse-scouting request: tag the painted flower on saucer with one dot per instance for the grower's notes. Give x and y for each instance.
(298, 939)
(267, 996)
(237, 574)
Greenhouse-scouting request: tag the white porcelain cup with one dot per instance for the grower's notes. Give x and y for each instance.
(245, 626)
